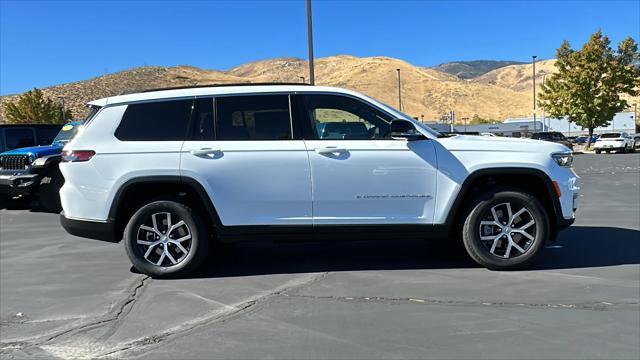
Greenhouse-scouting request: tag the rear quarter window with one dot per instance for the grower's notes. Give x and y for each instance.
(155, 121)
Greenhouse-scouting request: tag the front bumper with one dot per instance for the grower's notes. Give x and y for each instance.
(89, 229)
(22, 184)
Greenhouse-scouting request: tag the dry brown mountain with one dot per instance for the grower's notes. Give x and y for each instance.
(498, 94)
(518, 78)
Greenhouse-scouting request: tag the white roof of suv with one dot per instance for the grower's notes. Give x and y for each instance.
(217, 90)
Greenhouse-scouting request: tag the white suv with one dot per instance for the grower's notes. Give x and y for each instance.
(173, 171)
(617, 141)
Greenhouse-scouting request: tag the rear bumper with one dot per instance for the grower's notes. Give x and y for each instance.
(89, 229)
(23, 184)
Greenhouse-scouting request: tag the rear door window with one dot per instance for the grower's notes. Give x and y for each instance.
(253, 117)
(155, 121)
(19, 138)
(202, 125)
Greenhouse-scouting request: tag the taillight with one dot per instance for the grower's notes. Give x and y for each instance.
(77, 155)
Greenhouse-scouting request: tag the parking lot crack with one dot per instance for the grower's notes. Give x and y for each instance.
(593, 305)
(228, 313)
(117, 311)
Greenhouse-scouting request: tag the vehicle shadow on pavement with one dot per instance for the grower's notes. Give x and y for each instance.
(578, 247)
(591, 246)
(28, 204)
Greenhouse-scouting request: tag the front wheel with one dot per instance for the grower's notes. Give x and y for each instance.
(166, 239)
(505, 229)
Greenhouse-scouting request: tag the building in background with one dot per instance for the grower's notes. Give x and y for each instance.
(523, 127)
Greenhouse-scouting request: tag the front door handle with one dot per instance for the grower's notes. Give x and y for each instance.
(204, 151)
(330, 150)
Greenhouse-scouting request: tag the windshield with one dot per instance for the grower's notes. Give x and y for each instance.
(610, 136)
(67, 133)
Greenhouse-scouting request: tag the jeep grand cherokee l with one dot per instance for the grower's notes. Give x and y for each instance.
(173, 171)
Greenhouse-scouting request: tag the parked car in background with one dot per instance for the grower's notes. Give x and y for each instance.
(173, 171)
(583, 139)
(487, 134)
(34, 170)
(24, 135)
(552, 136)
(619, 142)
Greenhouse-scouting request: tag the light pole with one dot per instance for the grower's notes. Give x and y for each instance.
(544, 111)
(302, 77)
(534, 93)
(399, 92)
(465, 123)
(312, 79)
(635, 116)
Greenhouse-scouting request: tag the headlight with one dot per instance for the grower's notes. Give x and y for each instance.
(564, 159)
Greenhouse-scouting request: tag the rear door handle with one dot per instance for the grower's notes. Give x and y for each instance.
(204, 151)
(330, 150)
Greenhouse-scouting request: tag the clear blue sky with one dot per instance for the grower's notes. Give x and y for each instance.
(51, 42)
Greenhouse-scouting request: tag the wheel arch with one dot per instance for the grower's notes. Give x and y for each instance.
(533, 181)
(136, 190)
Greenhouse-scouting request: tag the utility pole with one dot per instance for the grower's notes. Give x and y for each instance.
(544, 111)
(399, 92)
(452, 119)
(312, 78)
(465, 123)
(534, 93)
(635, 117)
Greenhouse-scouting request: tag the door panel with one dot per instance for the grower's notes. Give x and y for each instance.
(254, 173)
(372, 181)
(253, 182)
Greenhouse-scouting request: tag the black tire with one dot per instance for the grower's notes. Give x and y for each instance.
(598, 151)
(4, 201)
(479, 249)
(623, 150)
(49, 190)
(197, 246)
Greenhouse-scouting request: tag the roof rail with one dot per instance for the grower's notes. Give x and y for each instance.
(222, 85)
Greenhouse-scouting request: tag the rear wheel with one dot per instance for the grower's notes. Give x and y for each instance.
(166, 239)
(597, 151)
(505, 230)
(4, 201)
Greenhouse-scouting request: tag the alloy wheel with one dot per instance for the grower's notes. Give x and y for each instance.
(505, 233)
(163, 242)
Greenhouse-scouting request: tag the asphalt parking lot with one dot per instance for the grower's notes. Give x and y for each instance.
(69, 297)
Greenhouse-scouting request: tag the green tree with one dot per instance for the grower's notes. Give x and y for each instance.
(589, 82)
(33, 107)
(475, 120)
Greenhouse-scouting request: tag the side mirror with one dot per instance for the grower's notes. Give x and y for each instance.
(403, 129)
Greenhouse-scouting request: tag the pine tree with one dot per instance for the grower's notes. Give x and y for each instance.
(33, 107)
(589, 83)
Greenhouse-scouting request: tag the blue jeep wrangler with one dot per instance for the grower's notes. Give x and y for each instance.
(34, 171)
